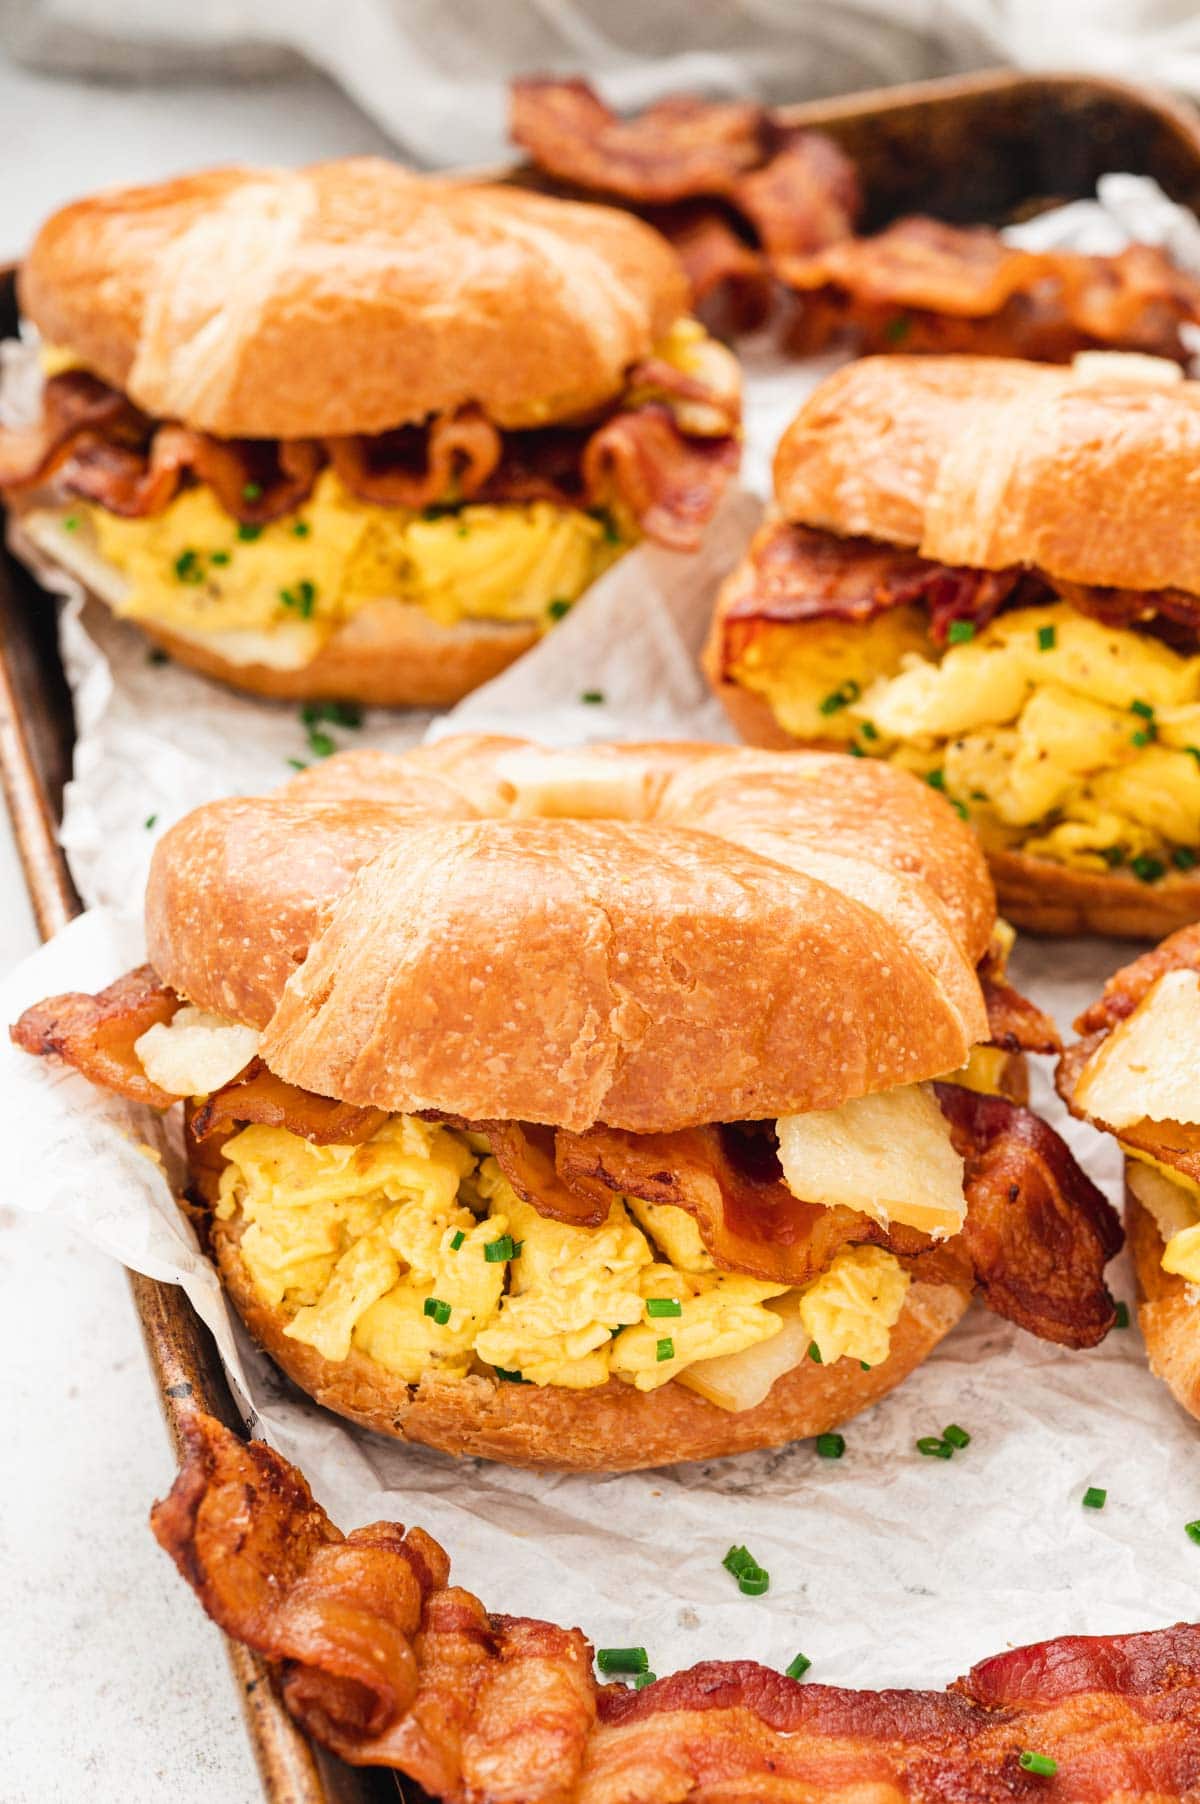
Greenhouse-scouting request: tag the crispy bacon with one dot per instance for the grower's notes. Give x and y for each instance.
(805, 198)
(96, 1034)
(732, 286)
(257, 1095)
(1016, 1024)
(925, 286)
(1129, 986)
(668, 479)
(382, 1660)
(1038, 1232)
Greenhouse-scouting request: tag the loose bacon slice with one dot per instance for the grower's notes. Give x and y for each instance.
(808, 196)
(257, 1095)
(385, 1662)
(416, 466)
(671, 484)
(1038, 1232)
(96, 1034)
(732, 286)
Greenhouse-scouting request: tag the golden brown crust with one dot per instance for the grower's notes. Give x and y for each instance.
(614, 1428)
(764, 935)
(990, 462)
(1169, 1320)
(273, 303)
(391, 656)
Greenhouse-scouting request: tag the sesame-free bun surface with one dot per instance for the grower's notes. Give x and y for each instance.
(615, 1428)
(1169, 1320)
(349, 297)
(646, 936)
(990, 462)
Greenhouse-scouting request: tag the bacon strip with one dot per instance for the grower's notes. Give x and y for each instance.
(922, 285)
(257, 1095)
(1016, 1024)
(792, 575)
(382, 1660)
(1038, 1232)
(732, 287)
(669, 480)
(96, 1034)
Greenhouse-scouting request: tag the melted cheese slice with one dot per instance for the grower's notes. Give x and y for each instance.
(195, 1052)
(1148, 1069)
(889, 1156)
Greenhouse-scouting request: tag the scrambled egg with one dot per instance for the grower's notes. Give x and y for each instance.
(1052, 732)
(414, 1248)
(194, 569)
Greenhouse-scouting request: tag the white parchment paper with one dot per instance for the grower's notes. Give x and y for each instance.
(886, 1567)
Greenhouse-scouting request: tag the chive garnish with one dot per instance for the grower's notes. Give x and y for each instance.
(957, 1437)
(642, 1679)
(797, 1668)
(936, 779)
(151, 820)
(855, 751)
(863, 1366)
(1192, 1531)
(605, 519)
(439, 1310)
(252, 491)
(338, 714)
(831, 1446)
(1142, 708)
(664, 1349)
(301, 529)
(1144, 735)
(841, 698)
(218, 557)
(320, 744)
(509, 1377)
(297, 764)
(1193, 751)
(1047, 638)
(814, 1352)
(961, 631)
(1183, 858)
(1147, 869)
(897, 329)
(1094, 1498)
(302, 599)
(752, 1578)
(557, 608)
(497, 1251)
(188, 568)
(247, 534)
(663, 1306)
(622, 1659)
(1112, 856)
(868, 729)
(1030, 1761)
(457, 1240)
(934, 1447)
(1121, 1319)
(71, 523)
(592, 696)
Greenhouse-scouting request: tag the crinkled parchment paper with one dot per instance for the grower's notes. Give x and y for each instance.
(886, 1567)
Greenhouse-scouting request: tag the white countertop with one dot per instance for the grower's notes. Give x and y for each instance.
(113, 1686)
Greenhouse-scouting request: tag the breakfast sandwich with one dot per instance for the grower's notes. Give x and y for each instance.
(350, 433)
(988, 573)
(1135, 1073)
(603, 1108)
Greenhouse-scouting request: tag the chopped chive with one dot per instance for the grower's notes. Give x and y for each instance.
(959, 809)
(557, 608)
(1192, 1531)
(497, 1251)
(1112, 856)
(301, 529)
(1147, 869)
(1142, 708)
(957, 1437)
(188, 567)
(457, 1241)
(831, 1446)
(1030, 1761)
(302, 599)
(297, 764)
(1183, 858)
(592, 696)
(797, 1668)
(338, 714)
(663, 1306)
(868, 729)
(71, 523)
(1047, 638)
(1193, 751)
(979, 795)
(602, 515)
(897, 329)
(252, 491)
(936, 779)
(248, 534)
(151, 820)
(1121, 1319)
(156, 655)
(814, 1352)
(664, 1349)
(841, 698)
(934, 1447)
(508, 1377)
(753, 1582)
(855, 751)
(218, 557)
(622, 1659)
(320, 744)
(863, 1366)
(960, 631)
(642, 1679)
(440, 1311)
(1144, 735)
(1094, 1498)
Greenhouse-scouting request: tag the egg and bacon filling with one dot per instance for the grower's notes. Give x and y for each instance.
(1056, 733)
(264, 558)
(1142, 1083)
